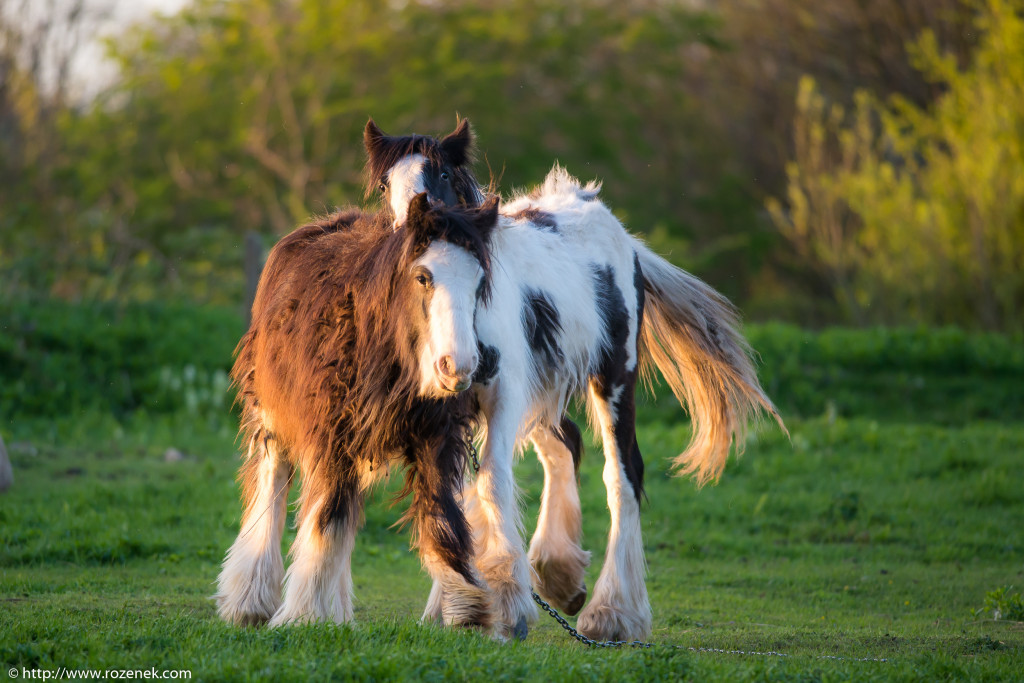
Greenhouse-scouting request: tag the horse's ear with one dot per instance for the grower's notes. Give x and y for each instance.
(457, 146)
(373, 137)
(487, 217)
(417, 224)
(418, 208)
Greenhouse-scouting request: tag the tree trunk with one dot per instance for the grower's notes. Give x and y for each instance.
(6, 473)
(253, 268)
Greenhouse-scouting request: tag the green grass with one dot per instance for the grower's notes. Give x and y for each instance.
(61, 358)
(887, 528)
(860, 540)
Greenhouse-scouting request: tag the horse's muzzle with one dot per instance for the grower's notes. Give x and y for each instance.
(458, 387)
(451, 378)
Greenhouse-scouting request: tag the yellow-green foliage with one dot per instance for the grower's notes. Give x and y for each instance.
(920, 212)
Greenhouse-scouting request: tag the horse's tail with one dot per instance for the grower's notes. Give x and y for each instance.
(691, 334)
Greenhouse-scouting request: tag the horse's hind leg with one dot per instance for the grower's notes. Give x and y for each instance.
(249, 585)
(555, 552)
(619, 608)
(318, 585)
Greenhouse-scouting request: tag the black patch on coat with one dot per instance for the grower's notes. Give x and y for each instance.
(488, 365)
(542, 327)
(625, 425)
(611, 372)
(541, 219)
(611, 306)
(342, 506)
(569, 434)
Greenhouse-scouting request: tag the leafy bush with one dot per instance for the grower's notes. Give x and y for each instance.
(230, 117)
(56, 357)
(915, 214)
(1002, 604)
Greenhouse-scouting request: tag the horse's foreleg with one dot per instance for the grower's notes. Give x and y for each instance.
(467, 501)
(318, 584)
(459, 596)
(555, 552)
(500, 553)
(249, 585)
(433, 612)
(619, 608)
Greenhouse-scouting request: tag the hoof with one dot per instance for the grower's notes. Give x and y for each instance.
(560, 581)
(246, 612)
(575, 603)
(520, 630)
(244, 619)
(603, 622)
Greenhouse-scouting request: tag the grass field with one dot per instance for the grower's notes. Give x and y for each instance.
(876, 533)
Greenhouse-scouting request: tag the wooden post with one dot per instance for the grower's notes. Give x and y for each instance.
(253, 268)
(6, 473)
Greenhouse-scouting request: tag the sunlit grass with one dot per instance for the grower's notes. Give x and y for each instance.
(859, 540)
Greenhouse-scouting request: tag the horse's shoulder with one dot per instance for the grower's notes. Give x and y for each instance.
(349, 222)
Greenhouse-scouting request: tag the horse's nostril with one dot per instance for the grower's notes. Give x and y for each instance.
(446, 366)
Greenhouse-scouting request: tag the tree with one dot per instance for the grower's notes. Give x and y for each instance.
(39, 41)
(844, 45)
(917, 213)
(235, 116)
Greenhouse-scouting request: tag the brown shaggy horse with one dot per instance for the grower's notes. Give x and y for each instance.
(360, 349)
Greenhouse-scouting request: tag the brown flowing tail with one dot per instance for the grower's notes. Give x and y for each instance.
(691, 334)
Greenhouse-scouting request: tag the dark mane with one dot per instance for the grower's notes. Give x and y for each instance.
(463, 227)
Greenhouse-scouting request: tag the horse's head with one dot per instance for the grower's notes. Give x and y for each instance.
(402, 167)
(446, 273)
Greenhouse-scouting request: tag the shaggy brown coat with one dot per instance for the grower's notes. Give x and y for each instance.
(329, 370)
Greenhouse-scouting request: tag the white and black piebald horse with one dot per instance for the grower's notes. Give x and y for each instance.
(581, 307)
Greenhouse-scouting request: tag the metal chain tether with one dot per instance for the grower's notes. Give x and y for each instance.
(473, 454)
(590, 642)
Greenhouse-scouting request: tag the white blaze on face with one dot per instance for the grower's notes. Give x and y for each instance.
(405, 181)
(456, 275)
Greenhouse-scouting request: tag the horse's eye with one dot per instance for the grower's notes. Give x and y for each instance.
(422, 279)
(444, 175)
(383, 187)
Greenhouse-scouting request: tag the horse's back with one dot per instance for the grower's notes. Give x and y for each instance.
(587, 228)
(290, 366)
(557, 258)
(297, 259)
